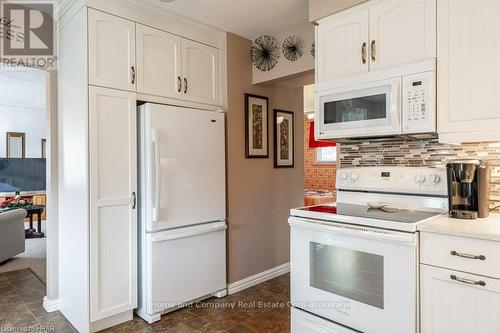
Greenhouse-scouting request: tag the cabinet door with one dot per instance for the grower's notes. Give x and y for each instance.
(200, 67)
(468, 68)
(113, 217)
(342, 45)
(448, 305)
(158, 62)
(402, 31)
(111, 51)
(39, 200)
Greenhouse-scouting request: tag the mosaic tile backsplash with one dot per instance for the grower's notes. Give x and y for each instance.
(420, 152)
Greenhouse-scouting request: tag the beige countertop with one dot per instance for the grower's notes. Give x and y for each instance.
(487, 228)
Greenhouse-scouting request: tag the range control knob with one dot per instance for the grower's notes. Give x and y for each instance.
(354, 177)
(420, 179)
(436, 179)
(343, 176)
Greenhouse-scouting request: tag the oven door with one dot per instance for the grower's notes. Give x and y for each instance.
(363, 278)
(371, 109)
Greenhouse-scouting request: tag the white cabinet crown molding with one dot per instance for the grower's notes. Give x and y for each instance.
(150, 15)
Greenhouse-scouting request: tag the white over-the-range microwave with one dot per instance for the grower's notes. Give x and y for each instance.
(395, 101)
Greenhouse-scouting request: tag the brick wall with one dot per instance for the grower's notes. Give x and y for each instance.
(316, 176)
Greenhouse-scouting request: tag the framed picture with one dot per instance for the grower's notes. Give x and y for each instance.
(256, 126)
(283, 139)
(15, 145)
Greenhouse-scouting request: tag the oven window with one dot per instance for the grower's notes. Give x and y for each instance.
(355, 109)
(352, 274)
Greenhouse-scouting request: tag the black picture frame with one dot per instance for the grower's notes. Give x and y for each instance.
(278, 162)
(250, 151)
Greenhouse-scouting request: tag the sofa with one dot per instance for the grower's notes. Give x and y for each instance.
(11, 233)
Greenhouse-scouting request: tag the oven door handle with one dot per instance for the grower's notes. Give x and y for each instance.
(354, 231)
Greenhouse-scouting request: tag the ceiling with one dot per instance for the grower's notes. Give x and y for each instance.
(22, 87)
(247, 18)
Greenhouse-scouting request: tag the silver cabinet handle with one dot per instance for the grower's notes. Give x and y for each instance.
(468, 281)
(185, 85)
(132, 74)
(373, 51)
(363, 53)
(134, 201)
(179, 84)
(466, 255)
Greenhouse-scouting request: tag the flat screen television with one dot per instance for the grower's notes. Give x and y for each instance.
(22, 175)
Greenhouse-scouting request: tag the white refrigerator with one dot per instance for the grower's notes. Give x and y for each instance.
(182, 204)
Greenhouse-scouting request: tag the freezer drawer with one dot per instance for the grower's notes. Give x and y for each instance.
(185, 264)
(304, 322)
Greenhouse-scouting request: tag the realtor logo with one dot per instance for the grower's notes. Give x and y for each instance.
(27, 33)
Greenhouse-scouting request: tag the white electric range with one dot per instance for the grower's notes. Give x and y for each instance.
(354, 263)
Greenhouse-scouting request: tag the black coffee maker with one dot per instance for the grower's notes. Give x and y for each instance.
(468, 188)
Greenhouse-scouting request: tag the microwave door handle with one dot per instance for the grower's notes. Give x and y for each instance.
(398, 102)
(157, 173)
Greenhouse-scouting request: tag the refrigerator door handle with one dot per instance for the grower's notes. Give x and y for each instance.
(157, 173)
(187, 234)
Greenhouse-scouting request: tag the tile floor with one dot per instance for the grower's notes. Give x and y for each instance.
(21, 294)
(261, 309)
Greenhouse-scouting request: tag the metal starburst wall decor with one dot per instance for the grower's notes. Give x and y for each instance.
(264, 53)
(292, 47)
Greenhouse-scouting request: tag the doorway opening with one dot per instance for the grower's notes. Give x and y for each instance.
(320, 159)
(27, 173)
(23, 152)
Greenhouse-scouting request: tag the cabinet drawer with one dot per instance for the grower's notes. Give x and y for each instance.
(304, 322)
(459, 253)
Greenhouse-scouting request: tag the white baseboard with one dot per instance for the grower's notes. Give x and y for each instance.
(50, 305)
(258, 278)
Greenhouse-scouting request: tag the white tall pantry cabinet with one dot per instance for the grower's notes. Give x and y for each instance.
(113, 55)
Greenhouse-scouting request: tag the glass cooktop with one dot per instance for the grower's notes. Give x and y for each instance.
(361, 211)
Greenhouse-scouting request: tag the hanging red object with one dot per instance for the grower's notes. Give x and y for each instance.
(313, 143)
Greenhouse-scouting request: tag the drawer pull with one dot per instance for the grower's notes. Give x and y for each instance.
(468, 256)
(468, 281)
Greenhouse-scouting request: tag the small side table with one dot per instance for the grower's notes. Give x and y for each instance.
(31, 232)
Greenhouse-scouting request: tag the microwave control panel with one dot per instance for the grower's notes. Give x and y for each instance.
(419, 103)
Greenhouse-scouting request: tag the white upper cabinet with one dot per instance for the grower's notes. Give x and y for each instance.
(113, 199)
(468, 70)
(342, 45)
(402, 31)
(111, 51)
(200, 68)
(158, 62)
(375, 35)
(167, 65)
